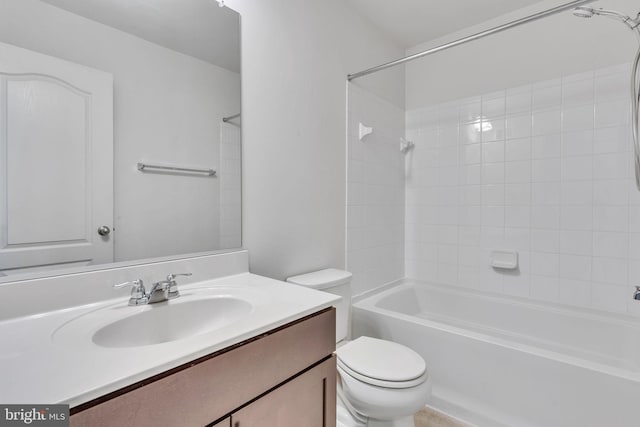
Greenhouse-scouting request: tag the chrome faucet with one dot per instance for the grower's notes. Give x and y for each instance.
(636, 295)
(163, 290)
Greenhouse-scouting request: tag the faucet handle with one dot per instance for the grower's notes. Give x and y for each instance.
(173, 292)
(172, 276)
(138, 293)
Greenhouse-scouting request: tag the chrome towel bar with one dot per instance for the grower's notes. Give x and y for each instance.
(145, 166)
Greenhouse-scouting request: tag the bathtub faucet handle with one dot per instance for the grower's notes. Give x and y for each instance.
(636, 295)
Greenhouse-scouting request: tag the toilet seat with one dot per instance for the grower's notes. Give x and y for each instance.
(382, 363)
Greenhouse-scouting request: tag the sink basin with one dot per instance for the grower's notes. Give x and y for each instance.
(196, 312)
(165, 322)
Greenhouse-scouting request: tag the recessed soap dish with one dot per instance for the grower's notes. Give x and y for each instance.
(504, 260)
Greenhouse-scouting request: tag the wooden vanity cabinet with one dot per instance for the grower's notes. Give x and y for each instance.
(283, 378)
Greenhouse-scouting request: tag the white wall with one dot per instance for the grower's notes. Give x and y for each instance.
(168, 108)
(558, 45)
(551, 180)
(295, 58)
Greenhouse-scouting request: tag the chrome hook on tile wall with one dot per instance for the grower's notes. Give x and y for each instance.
(406, 145)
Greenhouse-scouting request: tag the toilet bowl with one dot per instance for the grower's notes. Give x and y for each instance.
(380, 383)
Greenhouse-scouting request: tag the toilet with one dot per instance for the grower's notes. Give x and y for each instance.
(380, 383)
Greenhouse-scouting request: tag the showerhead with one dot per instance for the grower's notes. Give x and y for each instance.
(587, 12)
(584, 12)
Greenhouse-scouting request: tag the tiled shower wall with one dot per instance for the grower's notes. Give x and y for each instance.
(375, 192)
(543, 169)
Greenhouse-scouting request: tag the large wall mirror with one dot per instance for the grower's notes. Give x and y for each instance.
(119, 132)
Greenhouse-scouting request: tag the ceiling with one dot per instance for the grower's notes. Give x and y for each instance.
(411, 22)
(198, 28)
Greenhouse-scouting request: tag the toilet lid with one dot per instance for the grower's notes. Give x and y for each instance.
(381, 360)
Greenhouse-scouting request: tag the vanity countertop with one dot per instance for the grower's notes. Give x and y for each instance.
(36, 366)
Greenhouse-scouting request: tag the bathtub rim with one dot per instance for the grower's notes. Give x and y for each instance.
(369, 303)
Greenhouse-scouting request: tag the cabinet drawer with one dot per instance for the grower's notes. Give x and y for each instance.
(206, 389)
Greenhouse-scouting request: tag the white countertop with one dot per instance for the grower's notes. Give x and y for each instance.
(38, 367)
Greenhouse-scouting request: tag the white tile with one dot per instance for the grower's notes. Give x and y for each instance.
(577, 143)
(518, 239)
(546, 217)
(471, 175)
(577, 118)
(614, 139)
(545, 264)
(493, 152)
(493, 173)
(470, 110)
(494, 106)
(546, 241)
(610, 192)
(612, 86)
(577, 92)
(470, 133)
(544, 288)
(611, 218)
(546, 122)
(469, 256)
(546, 146)
(545, 97)
(578, 168)
(577, 193)
(518, 172)
(634, 246)
(611, 166)
(574, 292)
(609, 297)
(518, 149)
(576, 218)
(470, 216)
(545, 193)
(546, 170)
(491, 237)
(609, 244)
(493, 129)
(517, 216)
(493, 194)
(493, 216)
(470, 195)
(634, 219)
(448, 156)
(519, 126)
(469, 236)
(576, 242)
(448, 135)
(472, 154)
(517, 285)
(518, 194)
(575, 267)
(519, 102)
(612, 113)
(610, 270)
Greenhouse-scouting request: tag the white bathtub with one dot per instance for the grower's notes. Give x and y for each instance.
(500, 361)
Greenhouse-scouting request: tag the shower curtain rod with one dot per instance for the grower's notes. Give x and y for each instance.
(471, 38)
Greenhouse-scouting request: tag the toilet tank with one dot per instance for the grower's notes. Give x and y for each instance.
(334, 281)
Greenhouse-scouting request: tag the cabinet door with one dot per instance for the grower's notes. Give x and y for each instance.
(308, 400)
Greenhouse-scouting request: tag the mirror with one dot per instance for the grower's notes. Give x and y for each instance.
(119, 132)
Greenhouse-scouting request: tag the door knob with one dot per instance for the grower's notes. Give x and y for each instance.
(103, 230)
